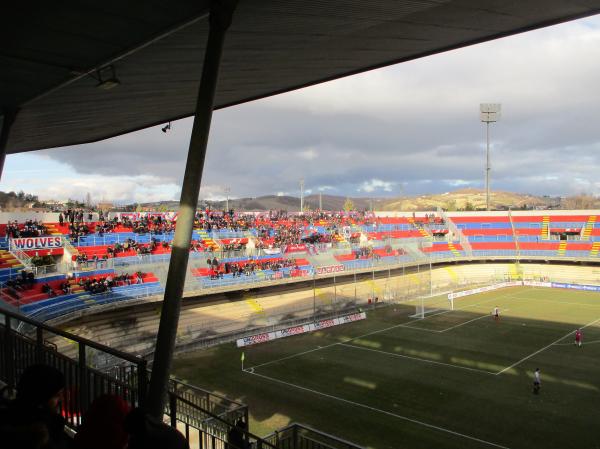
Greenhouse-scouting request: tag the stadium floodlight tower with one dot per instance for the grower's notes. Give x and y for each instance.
(227, 191)
(490, 113)
(301, 195)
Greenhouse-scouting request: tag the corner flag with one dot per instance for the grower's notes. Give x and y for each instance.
(243, 356)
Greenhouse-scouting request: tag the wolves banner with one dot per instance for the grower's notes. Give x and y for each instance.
(36, 243)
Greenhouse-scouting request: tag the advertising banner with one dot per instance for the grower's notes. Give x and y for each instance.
(295, 248)
(330, 269)
(589, 288)
(484, 289)
(36, 243)
(297, 330)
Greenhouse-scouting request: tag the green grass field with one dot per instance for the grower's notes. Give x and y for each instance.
(456, 379)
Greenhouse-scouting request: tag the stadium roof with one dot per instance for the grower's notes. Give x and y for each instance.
(54, 54)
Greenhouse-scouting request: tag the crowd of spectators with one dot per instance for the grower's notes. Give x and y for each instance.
(103, 285)
(77, 230)
(24, 281)
(31, 228)
(364, 252)
(72, 216)
(247, 268)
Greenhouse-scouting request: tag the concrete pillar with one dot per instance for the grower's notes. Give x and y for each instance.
(8, 118)
(220, 18)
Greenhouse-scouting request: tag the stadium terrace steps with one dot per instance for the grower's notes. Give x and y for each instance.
(53, 229)
(419, 227)
(595, 249)
(545, 234)
(589, 226)
(454, 250)
(208, 240)
(562, 248)
(8, 260)
(254, 305)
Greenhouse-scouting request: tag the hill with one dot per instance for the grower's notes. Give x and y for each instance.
(472, 199)
(462, 199)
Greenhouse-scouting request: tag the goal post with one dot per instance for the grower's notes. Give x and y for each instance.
(423, 292)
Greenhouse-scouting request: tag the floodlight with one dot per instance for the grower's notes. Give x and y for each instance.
(110, 82)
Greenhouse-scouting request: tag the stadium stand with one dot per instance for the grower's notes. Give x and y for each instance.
(275, 247)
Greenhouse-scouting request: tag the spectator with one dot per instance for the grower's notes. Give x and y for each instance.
(104, 425)
(31, 420)
(235, 436)
(148, 433)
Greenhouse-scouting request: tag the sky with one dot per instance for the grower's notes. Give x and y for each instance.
(408, 129)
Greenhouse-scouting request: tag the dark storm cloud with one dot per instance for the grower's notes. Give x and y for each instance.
(413, 127)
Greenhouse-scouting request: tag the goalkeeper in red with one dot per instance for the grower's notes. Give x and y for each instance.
(578, 338)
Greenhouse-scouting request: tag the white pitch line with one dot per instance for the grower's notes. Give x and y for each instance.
(368, 407)
(418, 359)
(405, 324)
(570, 303)
(318, 348)
(470, 321)
(544, 348)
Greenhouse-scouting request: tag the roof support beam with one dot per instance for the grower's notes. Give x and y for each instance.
(220, 18)
(8, 119)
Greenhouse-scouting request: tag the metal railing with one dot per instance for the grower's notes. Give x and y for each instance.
(208, 420)
(18, 350)
(296, 436)
(464, 241)
(206, 430)
(22, 256)
(515, 234)
(52, 309)
(125, 376)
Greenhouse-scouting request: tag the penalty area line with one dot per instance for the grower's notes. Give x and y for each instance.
(470, 321)
(406, 324)
(554, 343)
(384, 412)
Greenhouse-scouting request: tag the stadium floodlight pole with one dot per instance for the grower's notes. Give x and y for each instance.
(314, 295)
(8, 118)
(430, 278)
(220, 15)
(301, 195)
(227, 190)
(490, 113)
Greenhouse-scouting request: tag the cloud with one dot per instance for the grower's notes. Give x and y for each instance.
(412, 127)
(308, 154)
(374, 185)
(110, 188)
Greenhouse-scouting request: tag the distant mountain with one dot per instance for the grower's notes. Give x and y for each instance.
(462, 199)
(473, 199)
(290, 203)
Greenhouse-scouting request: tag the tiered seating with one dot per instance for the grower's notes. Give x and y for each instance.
(207, 277)
(536, 235)
(444, 250)
(32, 300)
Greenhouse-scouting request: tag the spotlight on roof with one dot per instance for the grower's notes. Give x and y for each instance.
(166, 127)
(107, 78)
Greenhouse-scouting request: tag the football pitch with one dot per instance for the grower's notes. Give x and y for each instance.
(455, 379)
